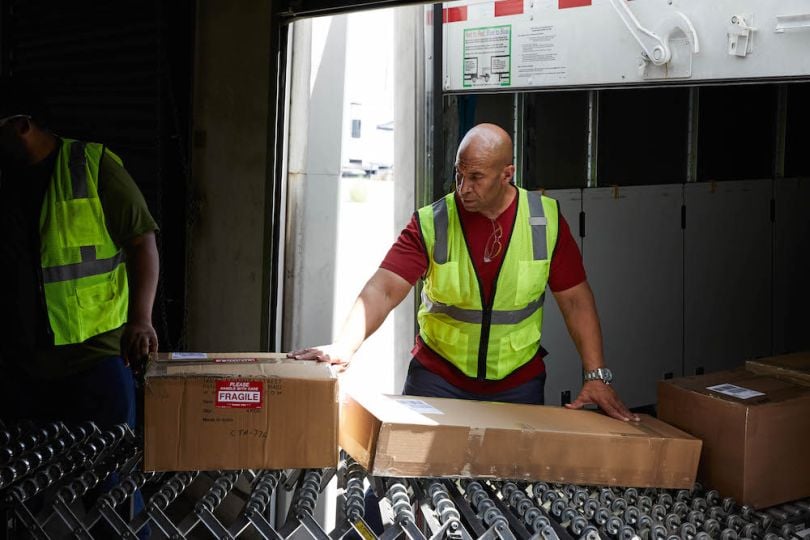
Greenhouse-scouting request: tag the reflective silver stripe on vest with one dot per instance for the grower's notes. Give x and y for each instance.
(474, 316)
(77, 164)
(537, 221)
(82, 269)
(440, 231)
(88, 253)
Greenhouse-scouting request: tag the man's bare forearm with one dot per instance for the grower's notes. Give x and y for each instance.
(143, 269)
(381, 294)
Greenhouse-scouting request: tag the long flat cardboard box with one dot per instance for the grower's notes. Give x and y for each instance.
(407, 436)
(239, 411)
(755, 431)
(795, 367)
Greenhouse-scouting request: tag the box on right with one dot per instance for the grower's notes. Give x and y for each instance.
(795, 367)
(409, 436)
(755, 431)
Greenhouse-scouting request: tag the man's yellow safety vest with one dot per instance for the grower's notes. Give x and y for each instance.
(83, 272)
(487, 341)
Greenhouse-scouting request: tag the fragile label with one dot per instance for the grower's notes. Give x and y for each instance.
(234, 360)
(735, 391)
(417, 405)
(239, 394)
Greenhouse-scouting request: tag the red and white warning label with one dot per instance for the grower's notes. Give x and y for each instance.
(239, 394)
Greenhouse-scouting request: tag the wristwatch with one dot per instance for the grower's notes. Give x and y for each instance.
(599, 374)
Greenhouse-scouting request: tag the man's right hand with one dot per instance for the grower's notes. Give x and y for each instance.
(138, 340)
(334, 354)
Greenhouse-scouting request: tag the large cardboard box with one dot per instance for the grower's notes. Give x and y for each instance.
(239, 411)
(407, 436)
(755, 431)
(795, 367)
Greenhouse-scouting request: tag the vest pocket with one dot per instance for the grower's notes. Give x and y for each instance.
(446, 285)
(528, 336)
(447, 334)
(531, 280)
(451, 343)
(95, 295)
(97, 306)
(79, 222)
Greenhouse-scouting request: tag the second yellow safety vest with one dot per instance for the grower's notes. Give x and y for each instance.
(84, 276)
(487, 341)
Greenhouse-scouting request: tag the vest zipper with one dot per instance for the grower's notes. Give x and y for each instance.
(486, 314)
(483, 345)
(486, 310)
(43, 302)
(486, 307)
(37, 263)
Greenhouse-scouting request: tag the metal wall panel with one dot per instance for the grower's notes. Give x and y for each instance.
(633, 254)
(556, 140)
(119, 73)
(727, 274)
(745, 158)
(563, 365)
(99, 72)
(791, 266)
(627, 153)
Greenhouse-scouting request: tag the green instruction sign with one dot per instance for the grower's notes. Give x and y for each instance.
(487, 56)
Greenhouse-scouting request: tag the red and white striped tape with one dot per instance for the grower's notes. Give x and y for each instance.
(498, 8)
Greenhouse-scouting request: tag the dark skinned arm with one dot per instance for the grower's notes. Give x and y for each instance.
(579, 311)
(381, 294)
(139, 338)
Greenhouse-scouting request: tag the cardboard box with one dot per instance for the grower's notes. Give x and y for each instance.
(755, 444)
(406, 436)
(239, 411)
(795, 367)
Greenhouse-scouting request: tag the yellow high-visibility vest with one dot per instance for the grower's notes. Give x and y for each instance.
(83, 272)
(487, 342)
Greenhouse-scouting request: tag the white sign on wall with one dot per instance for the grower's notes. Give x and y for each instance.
(524, 44)
(487, 53)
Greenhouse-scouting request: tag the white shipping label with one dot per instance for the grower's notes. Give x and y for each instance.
(419, 406)
(189, 356)
(735, 391)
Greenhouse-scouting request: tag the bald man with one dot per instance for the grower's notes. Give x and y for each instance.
(486, 254)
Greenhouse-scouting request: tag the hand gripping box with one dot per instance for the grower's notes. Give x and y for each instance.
(755, 431)
(238, 411)
(406, 436)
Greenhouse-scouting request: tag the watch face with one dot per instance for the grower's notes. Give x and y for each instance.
(607, 375)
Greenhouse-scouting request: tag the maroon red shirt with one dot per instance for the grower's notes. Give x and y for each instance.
(408, 259)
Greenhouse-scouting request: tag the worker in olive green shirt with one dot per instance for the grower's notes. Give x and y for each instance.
(78, 273)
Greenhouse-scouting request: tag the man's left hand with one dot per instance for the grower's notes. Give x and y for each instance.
(605, 397)
(138, 341)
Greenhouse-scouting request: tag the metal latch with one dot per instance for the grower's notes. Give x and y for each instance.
(667, 51)
(741, 35)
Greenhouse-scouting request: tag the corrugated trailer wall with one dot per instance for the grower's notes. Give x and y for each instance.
(119, 73)
(691, 230)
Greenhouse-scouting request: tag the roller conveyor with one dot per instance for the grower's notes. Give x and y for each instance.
(79, 481)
